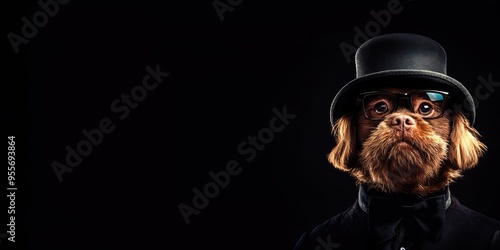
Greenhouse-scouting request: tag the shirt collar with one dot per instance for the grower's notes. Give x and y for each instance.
(364, 197)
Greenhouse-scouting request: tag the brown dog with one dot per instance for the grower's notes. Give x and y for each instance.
(403, 152)
(400, 132)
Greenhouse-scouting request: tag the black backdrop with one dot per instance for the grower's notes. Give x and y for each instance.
(225, 79)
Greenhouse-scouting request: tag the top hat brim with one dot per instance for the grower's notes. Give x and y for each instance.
(344, 101)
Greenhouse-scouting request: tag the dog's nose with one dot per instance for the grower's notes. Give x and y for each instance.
(403, 122)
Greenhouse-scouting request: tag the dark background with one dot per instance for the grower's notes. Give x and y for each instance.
(225, 79)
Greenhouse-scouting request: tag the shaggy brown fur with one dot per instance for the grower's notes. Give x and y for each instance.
(419, 159)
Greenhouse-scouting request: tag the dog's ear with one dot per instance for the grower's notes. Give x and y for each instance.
(465, 147)
(345, 136)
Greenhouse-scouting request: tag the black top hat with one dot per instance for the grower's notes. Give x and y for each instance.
(400, 60)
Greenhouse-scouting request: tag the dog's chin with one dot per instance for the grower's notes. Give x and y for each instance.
(403, 146)
(399, 164)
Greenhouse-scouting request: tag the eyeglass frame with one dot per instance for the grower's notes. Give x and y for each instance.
(361, 100)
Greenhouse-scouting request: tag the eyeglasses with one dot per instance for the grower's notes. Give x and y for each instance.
(429, 104)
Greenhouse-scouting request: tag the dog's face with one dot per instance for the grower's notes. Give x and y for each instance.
(405, 145)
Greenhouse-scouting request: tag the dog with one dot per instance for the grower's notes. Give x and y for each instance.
(399, 134)
(404, 152)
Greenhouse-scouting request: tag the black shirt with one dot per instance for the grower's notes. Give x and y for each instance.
(462, 228)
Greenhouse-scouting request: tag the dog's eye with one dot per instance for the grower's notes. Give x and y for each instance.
(381, 108)
(425, 109)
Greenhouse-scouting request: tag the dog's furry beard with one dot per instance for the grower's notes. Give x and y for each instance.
(408, 164)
